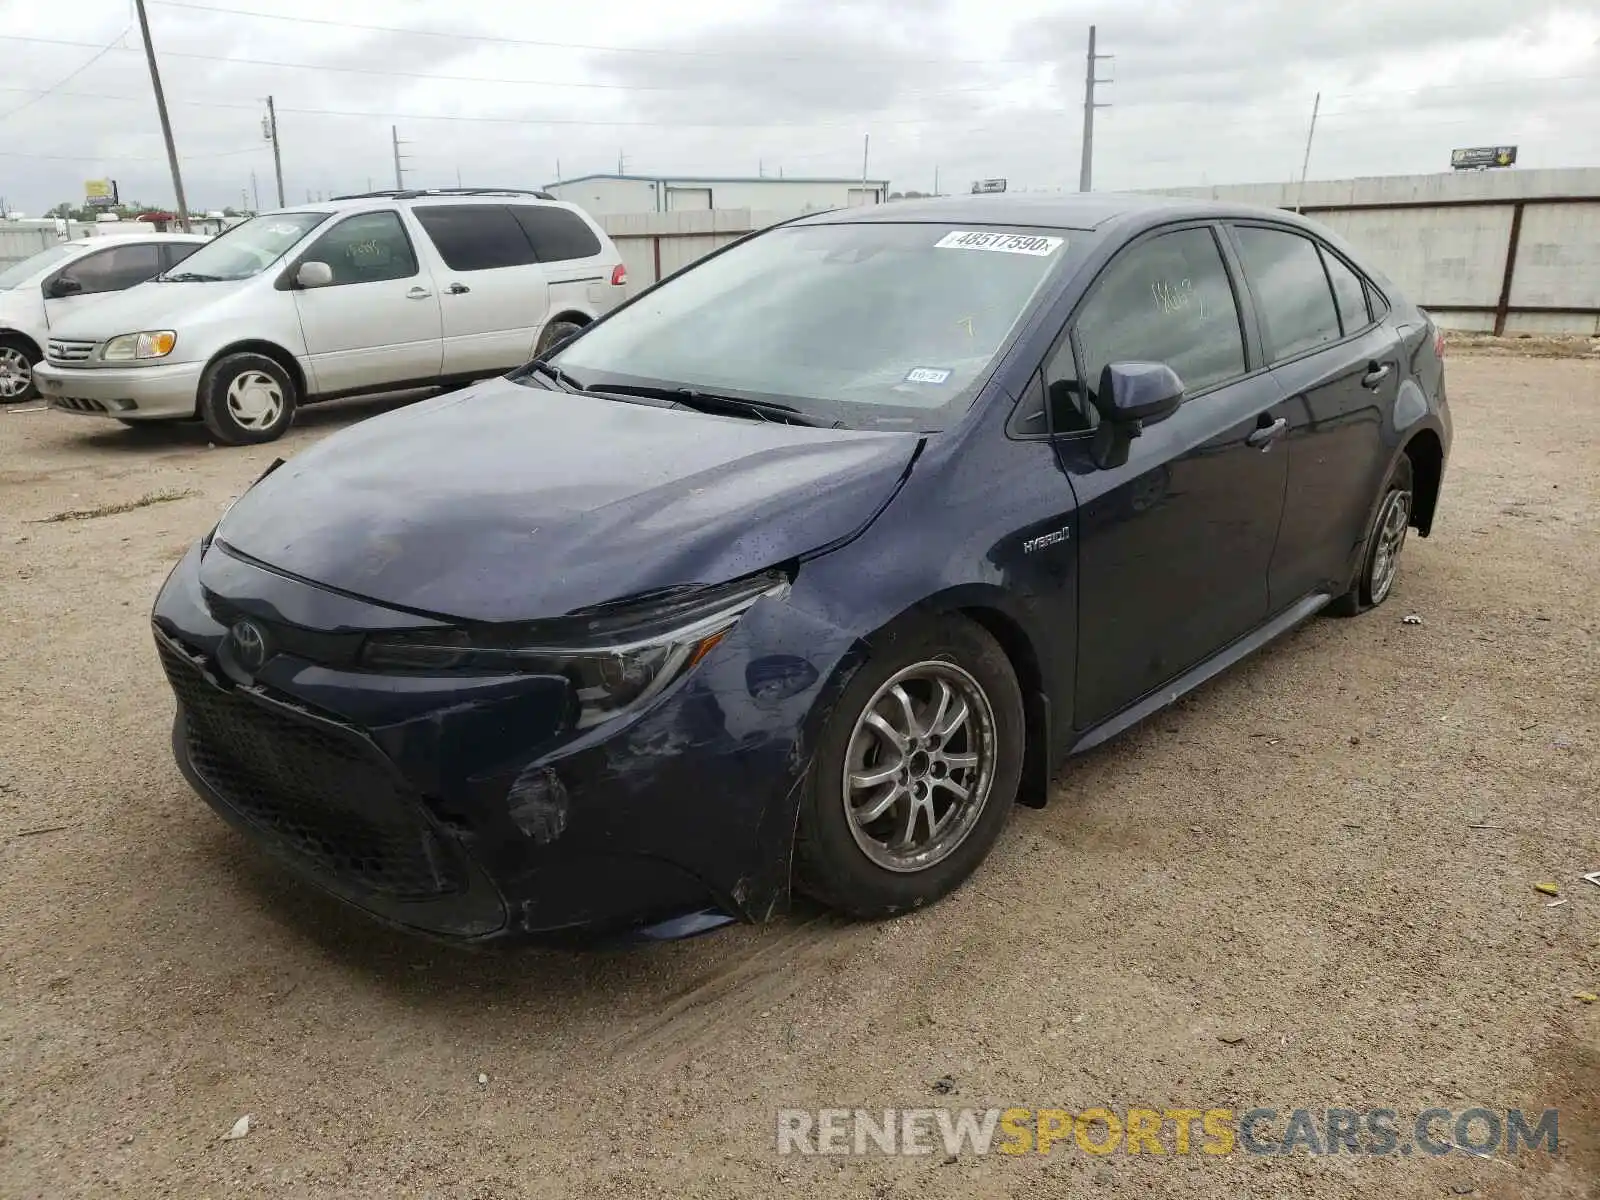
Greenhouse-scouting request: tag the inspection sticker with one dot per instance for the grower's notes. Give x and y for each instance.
(1007, 243)
(927, 375)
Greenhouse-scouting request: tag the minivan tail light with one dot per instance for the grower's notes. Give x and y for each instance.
(619, 275)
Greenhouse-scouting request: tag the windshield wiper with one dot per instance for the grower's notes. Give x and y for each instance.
(713, 402)
(550, 371)
(188, 277)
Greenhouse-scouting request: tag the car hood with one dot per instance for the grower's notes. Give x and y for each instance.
(144, 306)
(507, 502)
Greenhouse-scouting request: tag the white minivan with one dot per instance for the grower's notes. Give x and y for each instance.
(373, 293)
(44, 289)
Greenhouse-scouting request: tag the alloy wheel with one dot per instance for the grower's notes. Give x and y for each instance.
(920, 766)
(16, 373)
(1392, 524)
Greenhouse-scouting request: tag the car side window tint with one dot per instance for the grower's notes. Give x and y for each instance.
(475, 237)
(1349, 293)
(1166, 299)
(174, 253)
(369, 248)
(1378, 305)
(557, 234)
(113, 270)
(1291, 290)
(1070, 409)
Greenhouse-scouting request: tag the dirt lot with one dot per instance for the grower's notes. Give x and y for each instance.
(1311, 884)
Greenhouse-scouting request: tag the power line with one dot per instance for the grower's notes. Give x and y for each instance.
(104, 50)
(654, 50)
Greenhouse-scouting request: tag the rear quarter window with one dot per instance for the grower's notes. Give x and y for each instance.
(475, 237)
(557, 234)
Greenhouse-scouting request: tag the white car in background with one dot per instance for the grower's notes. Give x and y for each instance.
(42, 290)
(373, 293)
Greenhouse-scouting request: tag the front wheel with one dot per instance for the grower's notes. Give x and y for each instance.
(17, 360)
(246, 399)
(1380, 564)
(915, 773)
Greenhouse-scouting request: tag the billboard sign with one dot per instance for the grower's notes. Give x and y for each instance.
(1478, 158)
(100, 193)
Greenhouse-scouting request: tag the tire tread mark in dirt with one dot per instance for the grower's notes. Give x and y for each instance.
(727, 995)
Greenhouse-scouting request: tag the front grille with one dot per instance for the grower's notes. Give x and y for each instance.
(64, 350)
(72, 404)
(325, 796)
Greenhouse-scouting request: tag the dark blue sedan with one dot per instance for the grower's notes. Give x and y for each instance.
(801, 569)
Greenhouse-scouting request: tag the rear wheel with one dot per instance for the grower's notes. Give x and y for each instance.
(17, 359)
(554, 334)
(1380, 565)
(246, 399)
(915, 774)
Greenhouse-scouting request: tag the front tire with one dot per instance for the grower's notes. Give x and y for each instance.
(18, 357)
(916, 771)
(246, 399)
(1380, 563)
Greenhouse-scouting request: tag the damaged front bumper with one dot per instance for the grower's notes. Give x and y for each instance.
(459, 806)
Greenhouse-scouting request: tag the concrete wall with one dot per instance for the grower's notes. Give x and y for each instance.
(654, 245)
(606, 196)
(1444, 239)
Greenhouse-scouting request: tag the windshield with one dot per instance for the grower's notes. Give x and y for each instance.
(19, 273)
(872, 325)
(248, 248)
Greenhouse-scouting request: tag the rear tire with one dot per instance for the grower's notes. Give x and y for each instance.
(18, 357)
(935, 715)
(246, 399)
(554, 334)
(1380, 561)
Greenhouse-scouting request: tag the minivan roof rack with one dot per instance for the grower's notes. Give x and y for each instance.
(419, 193)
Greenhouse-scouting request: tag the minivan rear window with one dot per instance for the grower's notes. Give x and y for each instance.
(557, 234)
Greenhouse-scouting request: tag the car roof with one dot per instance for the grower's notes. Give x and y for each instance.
(1079, 211)
(122, 239)
(416, 197)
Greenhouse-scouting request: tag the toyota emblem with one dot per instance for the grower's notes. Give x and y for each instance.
(249, 645)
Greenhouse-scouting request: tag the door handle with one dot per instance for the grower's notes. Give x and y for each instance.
(418, 293)
(1263, 437)
(459, 289)
(1376, 374)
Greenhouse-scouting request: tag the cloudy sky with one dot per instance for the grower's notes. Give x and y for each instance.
(1205, 91)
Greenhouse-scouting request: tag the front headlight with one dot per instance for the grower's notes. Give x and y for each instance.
(153, 343)
(615, 660)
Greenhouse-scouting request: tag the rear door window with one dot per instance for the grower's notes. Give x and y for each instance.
(475, 237)
(1291, 290)
(1349, 293)
(1165, 299)
(557, 234)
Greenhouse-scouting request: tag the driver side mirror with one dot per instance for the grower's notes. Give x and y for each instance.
(62, 286)
(1131, 396)
(313, 275)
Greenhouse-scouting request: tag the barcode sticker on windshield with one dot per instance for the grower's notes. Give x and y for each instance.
(1006, 243)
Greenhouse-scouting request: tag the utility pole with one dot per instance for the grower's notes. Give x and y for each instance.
(935, 179)
(622, 163)
(1305, 163)
(271, 130)
(1086, 171)
(161, 111)
(399, 172)
(255, 190)
(866, 142)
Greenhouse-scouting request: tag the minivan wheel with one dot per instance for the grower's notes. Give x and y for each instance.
(17, 360)
(246, 399)
(1380, 565)
(554, 334)
(915, 774)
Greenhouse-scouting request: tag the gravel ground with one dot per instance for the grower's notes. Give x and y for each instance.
(1310, 884)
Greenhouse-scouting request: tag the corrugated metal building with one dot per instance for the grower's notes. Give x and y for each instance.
(605, 195)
